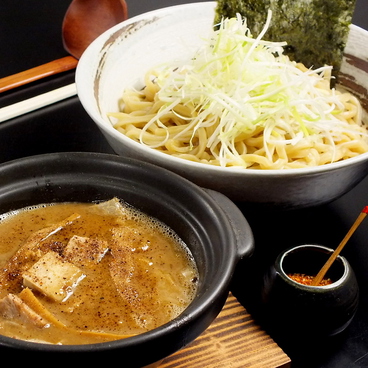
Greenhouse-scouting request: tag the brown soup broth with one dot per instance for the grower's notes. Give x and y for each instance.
(142, 277)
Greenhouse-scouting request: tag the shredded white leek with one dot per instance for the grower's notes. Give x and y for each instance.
(238, 83)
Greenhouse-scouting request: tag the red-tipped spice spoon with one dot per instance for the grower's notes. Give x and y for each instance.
(319, 277)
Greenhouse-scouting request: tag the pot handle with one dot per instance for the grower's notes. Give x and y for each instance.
(242, 230)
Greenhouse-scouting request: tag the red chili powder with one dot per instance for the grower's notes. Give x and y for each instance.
(307, 280)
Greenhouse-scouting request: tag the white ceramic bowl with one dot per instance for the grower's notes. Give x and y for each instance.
(119, 59)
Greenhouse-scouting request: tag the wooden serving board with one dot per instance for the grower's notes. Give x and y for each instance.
(233, 340)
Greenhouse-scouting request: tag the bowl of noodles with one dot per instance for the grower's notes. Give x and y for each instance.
(227, 110)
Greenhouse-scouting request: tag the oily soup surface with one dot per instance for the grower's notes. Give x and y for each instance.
(107, 273)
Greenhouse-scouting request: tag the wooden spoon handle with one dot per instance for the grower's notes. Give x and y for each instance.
(38, 72)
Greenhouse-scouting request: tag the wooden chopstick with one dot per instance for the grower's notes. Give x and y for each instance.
(53, 67)
(37, 102)
(337, 251)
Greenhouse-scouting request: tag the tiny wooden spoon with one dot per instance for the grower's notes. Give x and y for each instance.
(321, 274)
(83, 22)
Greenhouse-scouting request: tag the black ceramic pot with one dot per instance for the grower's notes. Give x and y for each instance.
(210, 224)
(309, 311)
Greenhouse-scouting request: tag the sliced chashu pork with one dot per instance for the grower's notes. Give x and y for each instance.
(35, 246)
(12, 307)
(29, 253)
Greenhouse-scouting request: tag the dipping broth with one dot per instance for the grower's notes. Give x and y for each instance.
(76, 273)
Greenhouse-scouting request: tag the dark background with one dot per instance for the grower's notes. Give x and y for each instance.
(30, 35)
(30, 30)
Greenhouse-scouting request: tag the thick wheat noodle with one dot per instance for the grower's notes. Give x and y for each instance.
(176, 133)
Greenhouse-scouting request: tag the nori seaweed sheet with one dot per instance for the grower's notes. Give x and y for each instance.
(316, 31)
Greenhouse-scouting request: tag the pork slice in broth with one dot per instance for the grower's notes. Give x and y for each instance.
(30, 252)
(12, 307)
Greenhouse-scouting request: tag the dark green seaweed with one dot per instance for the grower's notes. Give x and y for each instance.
(316, 31)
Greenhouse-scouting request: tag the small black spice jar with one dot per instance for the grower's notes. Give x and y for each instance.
(304, 310)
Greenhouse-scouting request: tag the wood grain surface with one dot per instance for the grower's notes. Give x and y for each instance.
(233, 340)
